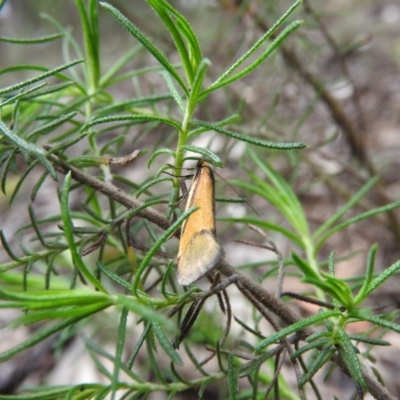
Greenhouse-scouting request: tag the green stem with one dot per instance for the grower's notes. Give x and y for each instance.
(309, 248)
(182, 138)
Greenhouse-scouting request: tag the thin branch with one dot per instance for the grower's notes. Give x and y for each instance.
(111, 191)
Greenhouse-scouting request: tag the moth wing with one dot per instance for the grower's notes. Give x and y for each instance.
(201, 254)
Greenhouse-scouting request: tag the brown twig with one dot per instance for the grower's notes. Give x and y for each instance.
(111, 191)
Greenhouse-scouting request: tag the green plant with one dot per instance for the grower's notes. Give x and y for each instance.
(346, 305)
(81, 261)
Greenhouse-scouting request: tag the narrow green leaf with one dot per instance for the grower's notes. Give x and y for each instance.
(386, 274)
(146, 311)
(43, 394)
(7, 248)
(89, 24)
(22, 179)
(176, 95)
(39, 336)
(310, 346)
(223, 199)
(329, 326)
(114, 277)
(43, 39)
(69, 312)
(51, 126)
(33, 281)
(48, 89)
(151, 183)
(159, 152)
(89, 161)
(46, 163)
(224, 78)
(265, 225)
(38, 78)
(349, 357)
(28, 148)
(134, 119)
(136, 72)
(38, 185)
(187, 32)
(331, 263)
(353, 201)
(128, 105)
(249, 139)
(119, 351)
(203, 388)
(36, 299)
(308, 272)
(162, 9)
(22, 95)
(323, 356)
(134, 31)
(381, 322)
(165, 279)
(368, 340)
(252, 366)
(128, 55)
(206, 153)
(193, 99)
(166, 344)
(319, 335)
(179, 377)
(335, 287)
(155, 367)
(296, 327)
(232, 380)
(368, 275)
(8, 163)
(35, 226)
(232, 119)
(354, 220)
(194, 360)
(100, 350)
(64, 145)
(280, 194)
(66, 218)
(139, 344)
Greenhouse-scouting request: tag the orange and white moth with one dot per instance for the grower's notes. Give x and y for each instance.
(199, 249)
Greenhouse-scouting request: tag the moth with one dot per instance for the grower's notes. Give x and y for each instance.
(199, 249)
